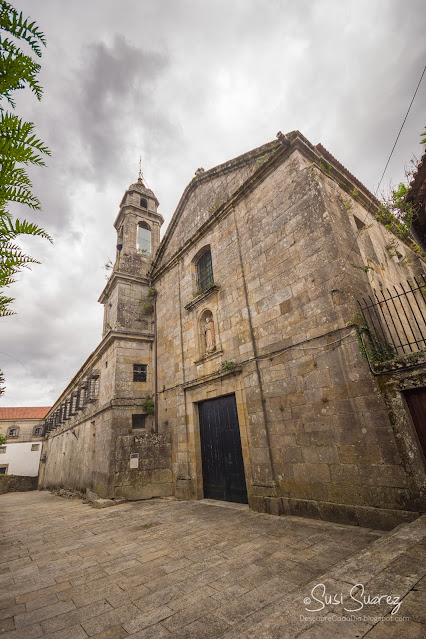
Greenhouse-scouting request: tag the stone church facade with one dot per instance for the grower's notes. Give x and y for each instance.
(232, 363)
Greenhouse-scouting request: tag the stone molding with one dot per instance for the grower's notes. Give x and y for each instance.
(208, 378)
(202, 296)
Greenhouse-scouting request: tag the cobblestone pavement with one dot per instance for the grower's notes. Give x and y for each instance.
(166, 569)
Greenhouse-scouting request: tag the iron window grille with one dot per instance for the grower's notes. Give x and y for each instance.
(138, 421)
(139, 372)
(395, 320)
(13, 432)
(93, 386)
(204, 272)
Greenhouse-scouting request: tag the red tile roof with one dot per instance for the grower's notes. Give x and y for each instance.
(25, 412)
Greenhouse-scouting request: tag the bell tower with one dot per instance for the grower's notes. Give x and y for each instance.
(138, 226)
(138, 229)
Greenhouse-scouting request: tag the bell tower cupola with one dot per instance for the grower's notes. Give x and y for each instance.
(138, 226)
(126, 295)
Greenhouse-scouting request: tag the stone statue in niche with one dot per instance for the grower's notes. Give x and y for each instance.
(209, 335)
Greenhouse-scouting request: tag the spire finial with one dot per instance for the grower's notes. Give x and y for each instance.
(140, 178)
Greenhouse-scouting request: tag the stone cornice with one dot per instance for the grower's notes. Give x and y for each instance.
(208, 378)
(124, 277)
(202, 296)
(156, 218)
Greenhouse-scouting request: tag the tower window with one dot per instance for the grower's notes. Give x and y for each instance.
(204, 271)
(139, 372)
(144, 203)
(143, 240)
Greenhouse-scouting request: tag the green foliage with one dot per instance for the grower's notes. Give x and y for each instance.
(325, 168)
(18, 69)
(347, 204)
(18, 143)
(363, 268)
(423, 136)
(148, 405)
(148, 301)
(369, 345)
(396, 213)
(228, 366)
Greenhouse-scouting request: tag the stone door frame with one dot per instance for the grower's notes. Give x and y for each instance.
(227, 384)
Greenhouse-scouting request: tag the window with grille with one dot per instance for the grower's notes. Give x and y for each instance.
(143, 239)
(94, 386)
(138, 421)
(204, 271)
(139, 372)
(12, 432)
(38, 431)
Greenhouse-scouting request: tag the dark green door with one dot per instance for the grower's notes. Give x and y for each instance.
(221, 454)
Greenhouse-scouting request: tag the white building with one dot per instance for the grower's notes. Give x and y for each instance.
(24, 429)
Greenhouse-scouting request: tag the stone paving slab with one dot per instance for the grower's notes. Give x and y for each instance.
(167, 569)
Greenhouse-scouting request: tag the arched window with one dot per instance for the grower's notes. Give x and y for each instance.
(144, 203)
(143, 240)
(204, 271)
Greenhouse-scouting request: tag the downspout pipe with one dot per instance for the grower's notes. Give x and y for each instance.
(155, 367)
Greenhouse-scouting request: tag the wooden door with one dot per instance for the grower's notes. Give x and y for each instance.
(221, 454)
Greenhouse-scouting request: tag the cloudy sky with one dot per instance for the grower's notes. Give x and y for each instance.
(187, 83)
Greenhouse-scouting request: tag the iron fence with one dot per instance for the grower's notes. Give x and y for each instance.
(394, 320)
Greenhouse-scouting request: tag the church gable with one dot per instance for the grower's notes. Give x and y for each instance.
(205, 194)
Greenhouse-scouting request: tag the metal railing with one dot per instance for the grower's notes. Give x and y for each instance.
(395, 320)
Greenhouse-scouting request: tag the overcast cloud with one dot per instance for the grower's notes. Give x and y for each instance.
(185, 84)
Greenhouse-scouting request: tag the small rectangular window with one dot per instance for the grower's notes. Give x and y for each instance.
(13, 432)
(138, 421)
(38, 431)
(139, 372)
(2, 449)
(35, 447)
(3, 470)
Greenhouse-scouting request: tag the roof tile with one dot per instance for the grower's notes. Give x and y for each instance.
(24, 412)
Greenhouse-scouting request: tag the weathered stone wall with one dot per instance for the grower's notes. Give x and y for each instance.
(316, 433)
(81, 452)
(17, 484)
(152, 476)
